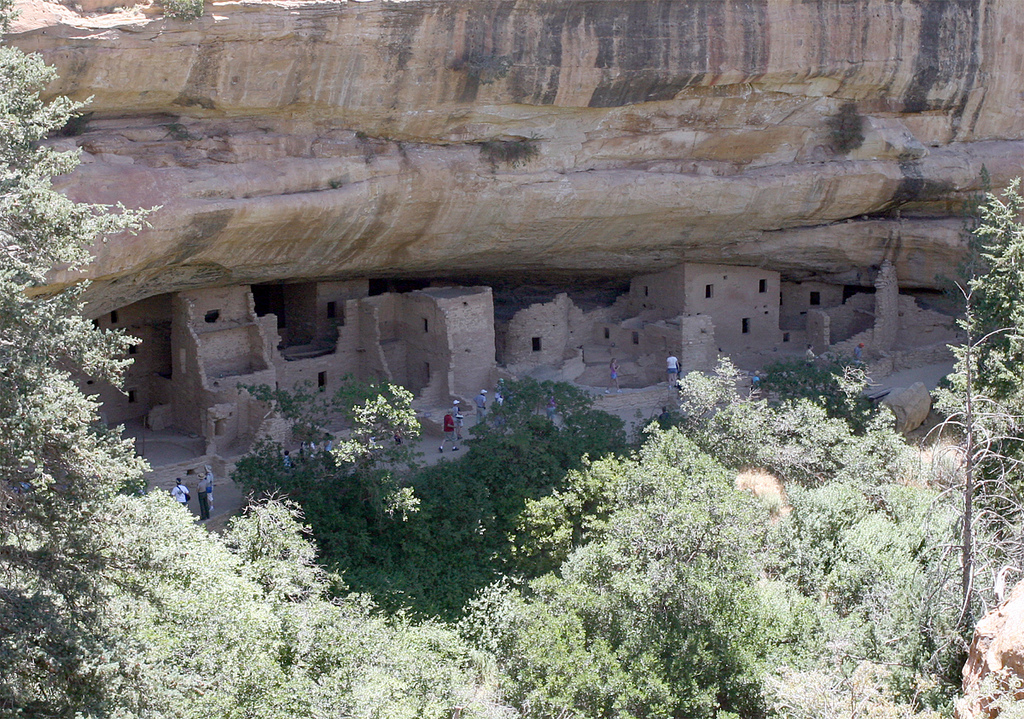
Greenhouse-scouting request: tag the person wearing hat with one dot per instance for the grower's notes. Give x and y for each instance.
(858, 353)
(481, 406)
(459, 420)
(205, 491)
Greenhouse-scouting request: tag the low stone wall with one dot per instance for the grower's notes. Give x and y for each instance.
(894, 362)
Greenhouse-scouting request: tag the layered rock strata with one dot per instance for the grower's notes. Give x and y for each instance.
(336, 139)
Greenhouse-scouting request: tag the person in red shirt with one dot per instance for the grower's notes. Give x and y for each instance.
(449, 433)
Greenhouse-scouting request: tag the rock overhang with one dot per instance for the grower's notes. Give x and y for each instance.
(287, 141)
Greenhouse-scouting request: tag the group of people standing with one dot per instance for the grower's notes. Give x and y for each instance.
(204, 493)
(454, 420)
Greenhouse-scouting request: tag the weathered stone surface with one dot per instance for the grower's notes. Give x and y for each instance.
(996, 658)
(286, 140)
(910, 406)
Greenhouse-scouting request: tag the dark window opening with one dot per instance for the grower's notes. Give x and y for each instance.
(269, 300)
(785, 336)
(321, 379)
(636, 338)
(132, 397)
(607, 333)
(746, 325)
(709, 291)
(426, 325)
(133, 349)
(536, 344)
(815, 298)
(380, 285)
(762, 286)
(646, 291)
(212, 316)
(332, 310)
(113, 317)
(851, 290)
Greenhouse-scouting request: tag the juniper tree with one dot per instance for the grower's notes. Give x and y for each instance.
(58, 468)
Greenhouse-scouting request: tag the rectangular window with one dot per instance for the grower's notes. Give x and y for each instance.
(709, 291)
(607, 333)
(746, 325)
(815, 298)
(321, 380)
(132, 397)
(646, 291)
(536, 344)
(785, 336)
(762, 286)
(133, 349)
(332, 310)
(113, 317)
(426, 325)
(636, 338)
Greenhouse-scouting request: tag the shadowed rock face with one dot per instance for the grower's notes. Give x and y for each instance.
(297, 140)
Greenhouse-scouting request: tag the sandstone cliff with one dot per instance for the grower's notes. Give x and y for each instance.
(315, 139)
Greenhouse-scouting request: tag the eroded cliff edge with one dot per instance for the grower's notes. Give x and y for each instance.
(317, 139)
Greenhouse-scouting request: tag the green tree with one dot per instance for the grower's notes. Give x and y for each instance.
(657, 614)
(60, 469)
(985, 401)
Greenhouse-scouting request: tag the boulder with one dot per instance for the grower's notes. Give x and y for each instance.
(994, 671)
(910, 405)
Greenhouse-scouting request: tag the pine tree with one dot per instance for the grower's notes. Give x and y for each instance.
(59, 467)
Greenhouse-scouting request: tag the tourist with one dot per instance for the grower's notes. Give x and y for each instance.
(858, 353)
(209, 488)
(673, 369)
(460, 420)
(481, 406)
(204, 499)
(809, 354)
(449, 428)
(613, 370)
(180, 493)
(287, 459)
(552, 407)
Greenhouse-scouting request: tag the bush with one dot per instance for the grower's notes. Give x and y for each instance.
(512, 153)
(183, 9)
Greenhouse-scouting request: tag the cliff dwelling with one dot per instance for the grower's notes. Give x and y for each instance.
(388, 216)
(443, 341)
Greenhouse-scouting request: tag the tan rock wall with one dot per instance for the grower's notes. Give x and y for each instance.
(306, 140)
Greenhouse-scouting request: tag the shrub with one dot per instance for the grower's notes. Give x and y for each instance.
(512, 153)
(183, 9)
(846, 129)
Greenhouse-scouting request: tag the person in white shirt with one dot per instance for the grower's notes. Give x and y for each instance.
(673, 369)
(180, 493)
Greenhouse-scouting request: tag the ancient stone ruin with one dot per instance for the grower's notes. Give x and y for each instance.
(198, 349)
(352, 188)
